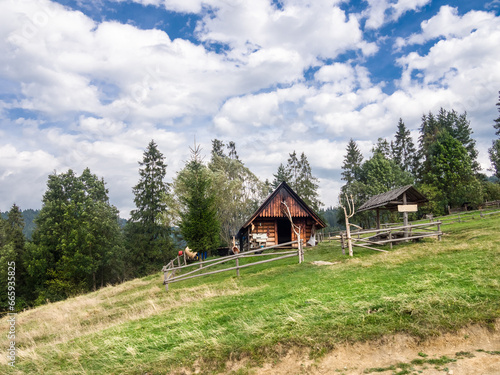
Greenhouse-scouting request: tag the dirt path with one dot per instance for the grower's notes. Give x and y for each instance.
(472, 351)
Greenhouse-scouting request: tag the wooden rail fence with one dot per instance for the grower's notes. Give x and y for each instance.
(171, 268)
(363, 238)
(367, 238)
(445, 220)
(453, 218)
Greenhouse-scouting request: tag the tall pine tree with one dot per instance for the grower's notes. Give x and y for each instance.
(403, 149)
(148, 239)
(292, 170)
(280, 176)
(307, 184)
(382, 147)
(352, 162)
(452, 174)
(434, 127)
(199, 225)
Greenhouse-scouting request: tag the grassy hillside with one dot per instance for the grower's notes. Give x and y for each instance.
(422, 289)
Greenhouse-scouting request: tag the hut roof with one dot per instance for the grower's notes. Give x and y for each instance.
(390, 200)
(272, 207)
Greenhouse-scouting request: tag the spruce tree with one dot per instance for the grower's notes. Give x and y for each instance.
(403, 149)
(434, 127)
(148, 239)
(292, 170)
(452, 173)
(352, 162)
(199, 225)
(382, 147)
(459, 128)
(307, 184)
(280, 176)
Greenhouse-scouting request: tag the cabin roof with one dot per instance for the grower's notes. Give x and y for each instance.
(390, 200)
(271, 207)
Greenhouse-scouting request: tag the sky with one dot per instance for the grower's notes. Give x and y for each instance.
(91, 83)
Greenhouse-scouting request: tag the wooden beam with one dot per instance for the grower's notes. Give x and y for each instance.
(368, 247)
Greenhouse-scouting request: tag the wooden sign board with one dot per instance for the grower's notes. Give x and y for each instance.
(408, 208)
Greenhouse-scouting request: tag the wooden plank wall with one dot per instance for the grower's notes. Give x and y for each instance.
(269, 227)
(266, 227)
(274, 207)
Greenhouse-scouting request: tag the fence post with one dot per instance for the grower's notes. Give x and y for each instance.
(238, 266)
(390, 239)
(165, 280)
(178, 260)
(439, 230)
(342, 242)
(298, 250)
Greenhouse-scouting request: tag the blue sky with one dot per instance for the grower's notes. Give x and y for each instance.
(89, 84)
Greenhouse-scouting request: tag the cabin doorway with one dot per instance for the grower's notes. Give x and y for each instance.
(284, 231)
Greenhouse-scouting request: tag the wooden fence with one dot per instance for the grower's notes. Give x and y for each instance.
(364, 238)
(171, 268)
(388, 234)
(453, 218)
(445, 220)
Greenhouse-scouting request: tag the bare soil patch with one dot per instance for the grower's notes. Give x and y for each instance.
(473, 350)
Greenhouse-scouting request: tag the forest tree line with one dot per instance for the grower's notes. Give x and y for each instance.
(79, 243)
(443, 166)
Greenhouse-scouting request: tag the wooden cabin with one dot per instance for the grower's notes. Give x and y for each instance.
(269, 225)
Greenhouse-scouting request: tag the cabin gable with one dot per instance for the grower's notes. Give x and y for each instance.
(270, 225)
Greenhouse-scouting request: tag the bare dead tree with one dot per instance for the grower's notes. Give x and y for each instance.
(296, 228)
(348, 213)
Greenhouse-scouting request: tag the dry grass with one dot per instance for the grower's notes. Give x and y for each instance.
(60, 322)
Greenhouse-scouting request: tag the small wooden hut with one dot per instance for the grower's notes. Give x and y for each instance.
(404, 199)
(269, 225)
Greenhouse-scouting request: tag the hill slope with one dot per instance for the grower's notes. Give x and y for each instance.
(420, 289)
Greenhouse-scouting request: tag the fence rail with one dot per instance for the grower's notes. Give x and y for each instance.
(445, 220)
(170, 269)
(402, 233)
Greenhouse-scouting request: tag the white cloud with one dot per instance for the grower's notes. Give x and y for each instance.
(181, 6)
(379, 12)
(100, 91)
(314, 30)
(23, 175)
(449, 24)
(461, 71)
(403, 6)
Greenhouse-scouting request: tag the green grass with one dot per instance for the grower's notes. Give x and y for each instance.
(421, 289)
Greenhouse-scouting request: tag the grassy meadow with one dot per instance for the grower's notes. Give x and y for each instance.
(422, 289)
